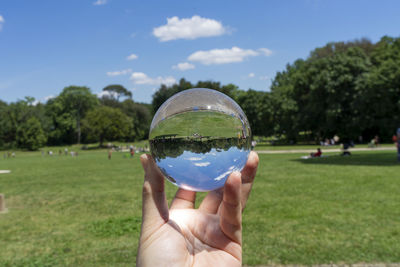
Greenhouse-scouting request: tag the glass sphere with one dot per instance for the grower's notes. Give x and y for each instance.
(198, 137)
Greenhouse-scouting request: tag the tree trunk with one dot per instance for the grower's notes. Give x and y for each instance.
(101, 141)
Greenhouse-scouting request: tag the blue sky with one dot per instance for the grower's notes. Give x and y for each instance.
(46, 45)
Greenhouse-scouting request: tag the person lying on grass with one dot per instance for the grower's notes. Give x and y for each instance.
(317, 154)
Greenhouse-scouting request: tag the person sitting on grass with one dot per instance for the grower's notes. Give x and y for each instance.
(345, 149)
(317, 154)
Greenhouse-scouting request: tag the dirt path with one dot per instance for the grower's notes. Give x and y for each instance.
(323, 150)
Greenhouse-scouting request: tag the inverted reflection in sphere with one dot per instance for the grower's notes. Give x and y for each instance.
(198, 137)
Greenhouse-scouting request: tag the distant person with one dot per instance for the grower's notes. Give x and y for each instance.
(66, 151)
(394, 139)
(336, 138)
(253, 144)
(372, 143)
(345, 149)
(327, 142)
(109, 154)
(316, 154)
(376, 139)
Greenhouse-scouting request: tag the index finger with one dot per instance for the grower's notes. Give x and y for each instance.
(248, 174)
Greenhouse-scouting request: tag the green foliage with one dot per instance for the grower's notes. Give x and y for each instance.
(141, 119)
(106, 123)
(74, 103)
(15, 116)
(257, 107)
(4, 123)
(350, 89)
(30, 135)
(166, 92)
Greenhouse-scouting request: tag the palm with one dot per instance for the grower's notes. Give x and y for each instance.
(184, 236)
(197, 240)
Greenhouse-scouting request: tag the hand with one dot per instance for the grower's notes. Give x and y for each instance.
(183, 236)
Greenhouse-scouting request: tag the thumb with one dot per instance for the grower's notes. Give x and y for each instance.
(154, 203)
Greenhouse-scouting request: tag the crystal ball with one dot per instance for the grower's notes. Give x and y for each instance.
(198, 137)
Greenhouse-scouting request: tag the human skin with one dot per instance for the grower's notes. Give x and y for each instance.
(184, 236)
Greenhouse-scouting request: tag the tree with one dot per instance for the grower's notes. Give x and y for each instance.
(321, 95)
(141, 118)
(106, 123)
(30, 135)
(165, 92)
(380, 102)
(4, 123)
(117, 91)
(62, 129)
(76, 101)
(257, 107)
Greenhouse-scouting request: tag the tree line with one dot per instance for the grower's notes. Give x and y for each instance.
(75, 116)
(350, 89)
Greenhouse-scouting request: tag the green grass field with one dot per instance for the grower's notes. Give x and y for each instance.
(86, 210)
(205, 123)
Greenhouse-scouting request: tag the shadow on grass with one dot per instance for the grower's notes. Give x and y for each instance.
(359, 159)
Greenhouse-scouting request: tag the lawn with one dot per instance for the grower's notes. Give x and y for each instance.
(86, 210)
(266, 146)
(204, 123)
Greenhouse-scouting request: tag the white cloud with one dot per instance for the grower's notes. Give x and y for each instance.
(1, 22)
(222, 176)
(194, 158)
(202, 164)
(265, 51)
(107, 94)
(142, 78)
(263, 78)
(100, 2)
(131, 57)
(47, 98)
(119, 72)
(183, 66)
(251, 75)
(35, 103)
(222, 56)
(188, 28)
(43, 100)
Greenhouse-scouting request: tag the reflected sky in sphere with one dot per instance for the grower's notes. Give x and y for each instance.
(203, 172)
